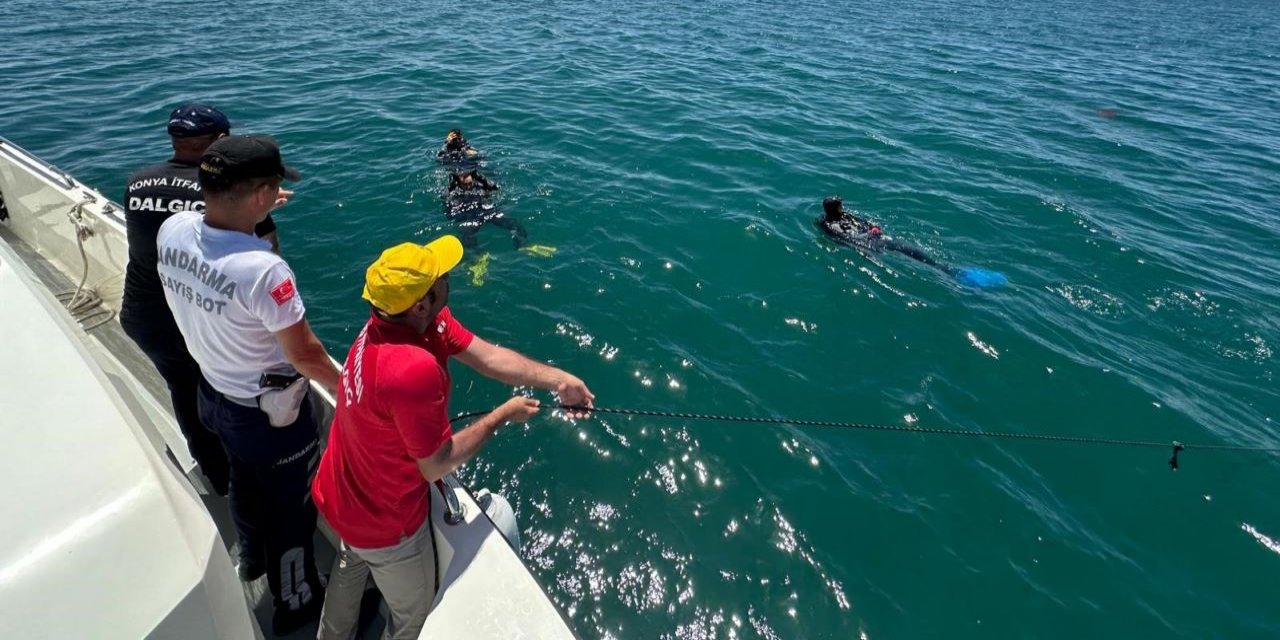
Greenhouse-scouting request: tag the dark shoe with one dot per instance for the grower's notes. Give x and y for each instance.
(251, 567)
(286, 621)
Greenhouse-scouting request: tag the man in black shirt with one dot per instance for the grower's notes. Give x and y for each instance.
(151, 196)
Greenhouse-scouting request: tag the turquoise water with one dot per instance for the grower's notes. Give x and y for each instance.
(676, 157)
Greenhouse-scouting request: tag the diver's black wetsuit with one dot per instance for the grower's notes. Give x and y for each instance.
(863, 234)
(459, 152)
(470, 209)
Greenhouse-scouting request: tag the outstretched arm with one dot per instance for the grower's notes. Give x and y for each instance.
(505, 365)
(465, 444)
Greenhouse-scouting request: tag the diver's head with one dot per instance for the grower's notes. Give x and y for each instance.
(833, 207)
(466, 179)
(454, 139)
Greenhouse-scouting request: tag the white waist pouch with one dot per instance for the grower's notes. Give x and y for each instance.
(283, 405)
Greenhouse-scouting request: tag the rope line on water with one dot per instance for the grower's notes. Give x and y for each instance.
(1176, 446)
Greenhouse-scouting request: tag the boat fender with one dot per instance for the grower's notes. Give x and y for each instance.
(503, 516)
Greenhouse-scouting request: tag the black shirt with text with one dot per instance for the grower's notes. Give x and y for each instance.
(152, 195)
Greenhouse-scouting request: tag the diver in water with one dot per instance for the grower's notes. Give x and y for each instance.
(469, 184)
(847, 228)
(456, 149)
(860, 233)
(466, 201)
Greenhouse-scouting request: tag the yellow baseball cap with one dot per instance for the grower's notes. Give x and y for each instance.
(403, 274)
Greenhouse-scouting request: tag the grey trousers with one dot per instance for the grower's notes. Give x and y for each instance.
(405, 574)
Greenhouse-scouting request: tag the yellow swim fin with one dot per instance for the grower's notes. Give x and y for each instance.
(540, 250)
(479, 269)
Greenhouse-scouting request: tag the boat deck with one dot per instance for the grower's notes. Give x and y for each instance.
(113, 338)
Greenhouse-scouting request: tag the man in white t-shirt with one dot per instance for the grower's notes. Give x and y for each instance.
(239, 311)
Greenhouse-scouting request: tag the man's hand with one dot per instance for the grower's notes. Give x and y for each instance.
(507, 366)
(464, 444)
(518, 409)
(573, 392)
(282, 199)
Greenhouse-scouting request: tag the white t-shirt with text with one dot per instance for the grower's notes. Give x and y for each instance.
(229, 293)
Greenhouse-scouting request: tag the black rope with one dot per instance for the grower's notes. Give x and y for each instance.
(1044, 437)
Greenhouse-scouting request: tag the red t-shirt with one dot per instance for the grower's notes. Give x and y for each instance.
(393, 401)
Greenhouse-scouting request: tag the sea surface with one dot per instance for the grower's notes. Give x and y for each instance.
(1119, 162)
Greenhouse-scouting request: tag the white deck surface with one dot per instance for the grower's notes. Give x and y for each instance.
(101, 537)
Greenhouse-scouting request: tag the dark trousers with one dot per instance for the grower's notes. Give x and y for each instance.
(271, 471)
(468, 231)
(470, 214)
(158, 337)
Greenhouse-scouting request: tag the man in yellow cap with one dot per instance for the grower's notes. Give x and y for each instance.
(391, 436)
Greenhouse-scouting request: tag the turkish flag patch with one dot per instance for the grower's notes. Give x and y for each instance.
(284, 292)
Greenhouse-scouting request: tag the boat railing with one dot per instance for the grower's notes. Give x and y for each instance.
(33, 163)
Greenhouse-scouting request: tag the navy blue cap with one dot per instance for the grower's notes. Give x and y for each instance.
(237, 158)
(191, 120)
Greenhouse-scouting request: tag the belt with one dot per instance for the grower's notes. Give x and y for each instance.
(252, 403)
